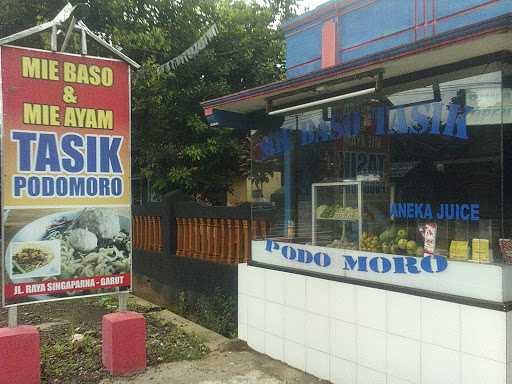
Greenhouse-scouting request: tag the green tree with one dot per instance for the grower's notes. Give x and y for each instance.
(172, 144)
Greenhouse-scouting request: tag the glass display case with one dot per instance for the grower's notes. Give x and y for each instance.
(346, 214)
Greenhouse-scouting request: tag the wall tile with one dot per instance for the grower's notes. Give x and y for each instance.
(404, 315)
(404, 358)
(295, 290)
(256, 312)
(439, 362)
(344, 340)
(369, 376)
(295, 323)
(509, 339)
(476, 370)
(256, 339)
(440, 322)
(396, 380)
(317, 332)
(343, 371)
(274, 347)
(371, 348)
(274, 319)
(317, 296)
(274, 286)
(371, 307)
(483, 333)
(242, 278)
(342, 301)
(255, 282)
(295, 355)
(242, 309)
(318, 364)
(242, 331)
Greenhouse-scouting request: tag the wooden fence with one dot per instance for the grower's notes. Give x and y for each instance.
(186, 229)
(219, 240)
(147, 233)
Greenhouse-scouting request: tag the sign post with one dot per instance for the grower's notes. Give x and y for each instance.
(66, 176)
(66, 192)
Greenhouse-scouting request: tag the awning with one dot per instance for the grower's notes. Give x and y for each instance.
(476, 42)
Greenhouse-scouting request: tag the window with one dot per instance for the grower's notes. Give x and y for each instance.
(423, 169)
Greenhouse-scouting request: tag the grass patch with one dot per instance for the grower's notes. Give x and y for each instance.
(217, 312)
(66, 362)
(167, 343)
(63, 361)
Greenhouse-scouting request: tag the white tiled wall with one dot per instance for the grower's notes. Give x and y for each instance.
(351, 334)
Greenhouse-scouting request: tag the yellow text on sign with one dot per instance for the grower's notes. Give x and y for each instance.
(46, 69)
(40, 114)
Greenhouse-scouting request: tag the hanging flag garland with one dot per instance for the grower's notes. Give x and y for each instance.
(191, 52)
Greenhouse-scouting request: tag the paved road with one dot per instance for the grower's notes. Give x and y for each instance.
(237, 367)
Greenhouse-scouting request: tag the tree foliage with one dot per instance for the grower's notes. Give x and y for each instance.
(172, 144)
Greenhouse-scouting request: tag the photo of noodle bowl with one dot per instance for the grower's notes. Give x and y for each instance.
(35, 259)
(72, 244)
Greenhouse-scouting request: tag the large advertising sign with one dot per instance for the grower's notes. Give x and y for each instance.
(66, 220)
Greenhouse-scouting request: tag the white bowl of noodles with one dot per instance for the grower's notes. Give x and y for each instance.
(111, 256)
(30, 259)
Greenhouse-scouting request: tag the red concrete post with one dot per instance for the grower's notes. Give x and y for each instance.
(124, 343)
(19, 355)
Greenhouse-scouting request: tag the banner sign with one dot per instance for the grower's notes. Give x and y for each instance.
(190, 52)
(65, 175)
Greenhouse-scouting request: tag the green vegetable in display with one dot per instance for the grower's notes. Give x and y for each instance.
(411, 245)
(402, 244)
(402, 234)
(419, 252)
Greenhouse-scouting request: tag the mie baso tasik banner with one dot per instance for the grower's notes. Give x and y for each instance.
(65, 175)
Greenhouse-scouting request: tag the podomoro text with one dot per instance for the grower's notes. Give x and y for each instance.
(363, 263)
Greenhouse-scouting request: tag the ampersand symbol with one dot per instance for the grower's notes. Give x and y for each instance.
(69, 95)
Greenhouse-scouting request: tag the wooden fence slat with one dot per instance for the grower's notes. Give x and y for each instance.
(237, 243)
(159, 234)
(197, 239)
(230, 245)
(216, 239)
(179, 236)
(246, 242)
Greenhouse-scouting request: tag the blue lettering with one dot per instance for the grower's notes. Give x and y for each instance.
(322, 259)
(440, 261)
(379, 116)
(76, 186)
(48, 187)
(47, 154)
(422, 121)
(350, 263)
(19, 183)
(61, 186)
(475, 212)
(288, 253)
(75, 162)
(410, 264)
(109, 161)
(24, 140)
(436, 118)
(92, 186)
(304, 256)
(374, 265)
(92, 162)
(117, 186)
(33, 186)
(399, 264)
